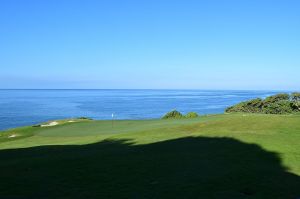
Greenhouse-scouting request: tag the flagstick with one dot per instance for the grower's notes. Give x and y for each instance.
(112, 120)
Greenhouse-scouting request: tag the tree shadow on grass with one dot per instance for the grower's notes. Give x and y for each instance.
(192, 167)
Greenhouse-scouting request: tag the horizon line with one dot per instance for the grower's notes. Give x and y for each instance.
(273, 90)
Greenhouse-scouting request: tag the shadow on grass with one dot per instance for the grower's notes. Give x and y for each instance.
(192, 167)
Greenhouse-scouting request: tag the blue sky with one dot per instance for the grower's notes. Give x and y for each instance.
(209, 44)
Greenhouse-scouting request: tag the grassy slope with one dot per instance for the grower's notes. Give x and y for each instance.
(221, 156)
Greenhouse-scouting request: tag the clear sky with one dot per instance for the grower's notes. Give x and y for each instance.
(208, 44)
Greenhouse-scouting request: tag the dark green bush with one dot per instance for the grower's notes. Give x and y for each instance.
(295, 96)
(173, 115)
(281, 107)
(84, 118)
(277, 104)
(296, 106)
(277, 98)
(251, 106)
(296, 101)
(191, 115)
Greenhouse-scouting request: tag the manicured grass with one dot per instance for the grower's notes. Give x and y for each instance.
(216, 156)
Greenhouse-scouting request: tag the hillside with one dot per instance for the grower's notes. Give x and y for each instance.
(214, 156)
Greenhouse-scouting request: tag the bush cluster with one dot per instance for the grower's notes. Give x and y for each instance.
(191, 115)
(177, 115)
(84, 118)
(276, 104)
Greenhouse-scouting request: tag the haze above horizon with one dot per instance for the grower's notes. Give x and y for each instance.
(223, 45)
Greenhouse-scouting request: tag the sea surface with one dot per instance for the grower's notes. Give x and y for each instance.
(28, 107)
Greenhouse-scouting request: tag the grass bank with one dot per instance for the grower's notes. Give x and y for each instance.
(215, 156)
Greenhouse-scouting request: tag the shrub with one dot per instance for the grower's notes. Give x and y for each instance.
(277, 104)
(191, 115)
(296, 101)
(173, 115)
(295, 96)
(281, 107)
(250, 106)
(277, 98)
(84, 118)
(296, 106)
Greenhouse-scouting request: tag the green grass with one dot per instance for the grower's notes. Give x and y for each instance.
(215, 156)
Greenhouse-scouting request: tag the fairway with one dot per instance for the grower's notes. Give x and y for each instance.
(213, 156)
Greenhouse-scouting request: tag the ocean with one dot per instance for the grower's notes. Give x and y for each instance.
(28, 107)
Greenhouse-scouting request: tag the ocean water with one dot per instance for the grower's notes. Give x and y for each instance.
(28, 107)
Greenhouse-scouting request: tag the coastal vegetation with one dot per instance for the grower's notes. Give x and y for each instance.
(173, 115)
(213, 156)
(276, 104)
(191, 115)
(177, 115)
